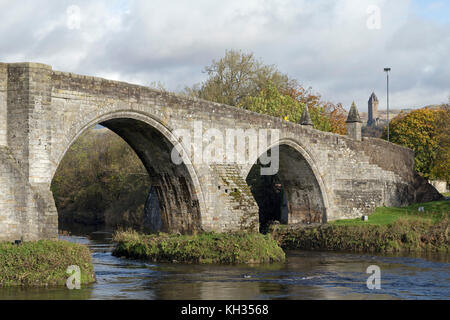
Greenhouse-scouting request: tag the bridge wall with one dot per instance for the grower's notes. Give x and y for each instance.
(332, 176)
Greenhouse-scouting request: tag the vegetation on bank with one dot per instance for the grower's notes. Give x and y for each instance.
(231, 248)
(388, 230)
(43, 263)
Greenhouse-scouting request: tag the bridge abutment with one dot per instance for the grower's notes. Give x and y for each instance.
(25, 97)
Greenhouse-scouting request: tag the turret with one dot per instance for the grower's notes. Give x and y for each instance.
(305, 119)
(354, 123)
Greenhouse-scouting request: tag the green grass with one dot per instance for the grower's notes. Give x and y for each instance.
(388, 230)
(43, 263)
(232, 248)
(447, 194)
(433, 212)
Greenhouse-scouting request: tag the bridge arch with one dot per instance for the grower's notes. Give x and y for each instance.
(296, 194)
(177, 187)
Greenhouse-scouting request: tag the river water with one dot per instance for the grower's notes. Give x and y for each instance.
(305, 275)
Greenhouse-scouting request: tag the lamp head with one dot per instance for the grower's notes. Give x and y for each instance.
(387, 69)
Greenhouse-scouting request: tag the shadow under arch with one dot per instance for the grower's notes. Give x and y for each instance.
(295, 194)
(177, 186)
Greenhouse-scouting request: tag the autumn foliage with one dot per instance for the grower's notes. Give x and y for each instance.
(338, 116)
(273, 102)
(335, 113)
(426, 131)
(239, 79)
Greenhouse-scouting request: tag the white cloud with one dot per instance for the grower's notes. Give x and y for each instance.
(324, 44)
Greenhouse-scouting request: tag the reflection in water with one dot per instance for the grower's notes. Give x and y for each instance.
(305, 275)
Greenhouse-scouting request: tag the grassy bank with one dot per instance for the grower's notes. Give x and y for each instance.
(388, 230)
(43, 263)
(433, 212)
(232, 248)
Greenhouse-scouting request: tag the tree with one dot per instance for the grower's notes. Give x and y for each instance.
(426, 132)
(272, 102)
(441, 166)
(337, 116)
(236, 76)
(335, 113)
(238, 79)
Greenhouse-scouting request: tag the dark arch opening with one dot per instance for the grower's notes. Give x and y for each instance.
(290, 196)
(170, 203)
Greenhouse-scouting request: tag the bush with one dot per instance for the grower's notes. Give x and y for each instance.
(43, 263)
(233, 248)
(402, 235)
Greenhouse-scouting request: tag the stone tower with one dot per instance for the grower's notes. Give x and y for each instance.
(373, 110)
(354, 123)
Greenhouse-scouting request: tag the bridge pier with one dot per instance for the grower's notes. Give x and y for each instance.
(26, 212)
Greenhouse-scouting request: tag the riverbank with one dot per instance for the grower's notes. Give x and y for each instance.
(387, 230)
(232, 248)
(304, 275)
(43, 263)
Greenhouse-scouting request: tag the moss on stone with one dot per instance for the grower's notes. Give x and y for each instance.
(237, 195)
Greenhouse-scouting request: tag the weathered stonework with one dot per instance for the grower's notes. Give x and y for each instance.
(42, 112)
(3, 103)
(354, 123)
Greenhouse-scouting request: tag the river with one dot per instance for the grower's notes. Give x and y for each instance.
(305, 275)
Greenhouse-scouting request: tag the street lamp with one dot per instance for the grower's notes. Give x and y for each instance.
(387, 74)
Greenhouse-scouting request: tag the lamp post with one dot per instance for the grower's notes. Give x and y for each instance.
(387, 74)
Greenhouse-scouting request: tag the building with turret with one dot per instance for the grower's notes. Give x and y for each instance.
(373, 110)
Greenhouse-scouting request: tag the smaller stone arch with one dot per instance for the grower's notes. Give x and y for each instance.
(303, 198)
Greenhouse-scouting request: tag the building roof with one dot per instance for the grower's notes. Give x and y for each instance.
(373, 97)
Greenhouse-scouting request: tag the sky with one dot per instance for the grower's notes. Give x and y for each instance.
(339, 48)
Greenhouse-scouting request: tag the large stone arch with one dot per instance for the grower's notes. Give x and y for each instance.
(177, 186)
(306, 193)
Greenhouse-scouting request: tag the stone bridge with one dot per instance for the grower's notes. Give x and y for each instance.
(325, 176)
